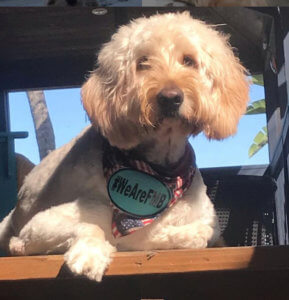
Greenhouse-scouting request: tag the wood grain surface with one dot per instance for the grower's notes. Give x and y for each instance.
(156, 262)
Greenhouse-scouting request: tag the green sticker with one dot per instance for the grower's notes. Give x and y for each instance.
(138, 193)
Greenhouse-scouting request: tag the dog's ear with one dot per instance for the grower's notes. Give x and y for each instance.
(229, 93)
(107, 112)
(91, 98)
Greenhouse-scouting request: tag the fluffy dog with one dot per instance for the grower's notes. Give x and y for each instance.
(158, 81)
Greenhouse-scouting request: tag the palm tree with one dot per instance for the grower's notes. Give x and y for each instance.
(42, 123)
(258, 107)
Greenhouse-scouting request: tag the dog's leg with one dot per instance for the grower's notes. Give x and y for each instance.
(195, 236)
(89, 253)
(61, 229)
(49, 231)
(199, 234)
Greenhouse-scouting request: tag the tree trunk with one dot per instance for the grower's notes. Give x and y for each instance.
(42, 124)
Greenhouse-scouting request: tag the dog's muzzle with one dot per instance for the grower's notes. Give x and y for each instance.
(169, 101)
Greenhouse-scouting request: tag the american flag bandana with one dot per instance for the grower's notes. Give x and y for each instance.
(177, 177)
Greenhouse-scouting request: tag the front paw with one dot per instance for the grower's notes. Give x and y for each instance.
(16, 246)
(89, 257)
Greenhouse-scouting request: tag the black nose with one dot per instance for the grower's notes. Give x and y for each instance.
(169, 100)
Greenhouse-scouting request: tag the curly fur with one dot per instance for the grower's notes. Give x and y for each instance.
(121, 102)
(63, 205)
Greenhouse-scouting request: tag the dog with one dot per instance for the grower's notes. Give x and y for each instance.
(129, 181)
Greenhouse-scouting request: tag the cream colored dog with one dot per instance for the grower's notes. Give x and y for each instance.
(158, 81)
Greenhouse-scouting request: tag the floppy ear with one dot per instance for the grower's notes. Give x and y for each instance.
(107, 112)
(229, 94)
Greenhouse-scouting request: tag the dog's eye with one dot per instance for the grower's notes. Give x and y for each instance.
(189, 61)
(142, 63)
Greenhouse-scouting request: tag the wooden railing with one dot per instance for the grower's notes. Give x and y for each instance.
(254, 273)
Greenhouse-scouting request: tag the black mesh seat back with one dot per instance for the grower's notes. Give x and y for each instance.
(245, 208)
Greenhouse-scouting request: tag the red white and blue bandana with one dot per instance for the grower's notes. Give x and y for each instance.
(177, 177)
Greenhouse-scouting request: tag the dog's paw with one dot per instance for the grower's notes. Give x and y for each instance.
(202, 236)
(16, 246)
(89, 257)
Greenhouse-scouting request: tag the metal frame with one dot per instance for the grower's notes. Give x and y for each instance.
(8, 172)
(276, 81)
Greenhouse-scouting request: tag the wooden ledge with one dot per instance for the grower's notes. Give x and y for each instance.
(156, 262)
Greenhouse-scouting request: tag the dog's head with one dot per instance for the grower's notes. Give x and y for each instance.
(165, 67)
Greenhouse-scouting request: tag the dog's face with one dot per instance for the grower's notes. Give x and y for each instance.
(167, 67)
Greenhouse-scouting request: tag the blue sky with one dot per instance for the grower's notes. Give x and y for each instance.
(69, 118)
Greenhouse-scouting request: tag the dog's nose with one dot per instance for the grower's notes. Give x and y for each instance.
(169, 100)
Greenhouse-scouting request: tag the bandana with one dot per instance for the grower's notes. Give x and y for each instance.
(176, 178)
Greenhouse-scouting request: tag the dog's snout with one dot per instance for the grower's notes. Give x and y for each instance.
(170, 99)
